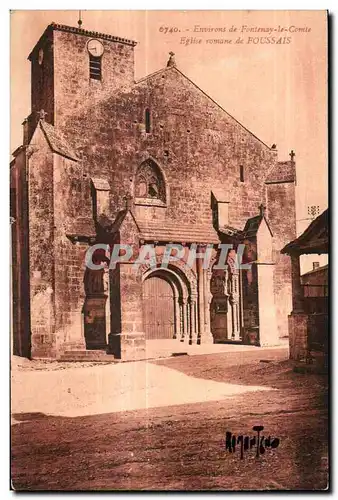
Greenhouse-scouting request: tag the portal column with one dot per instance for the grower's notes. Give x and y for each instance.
(200, 285)
(234, 302)
(181, 319)
(106, 287)
(193, 319)
(187, 320)
(177, 318)
(204, 278)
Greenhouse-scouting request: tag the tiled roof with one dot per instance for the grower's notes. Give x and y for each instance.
(56, 142)
(317, 270)
(314, 240)
(175, 232)
(283, 171)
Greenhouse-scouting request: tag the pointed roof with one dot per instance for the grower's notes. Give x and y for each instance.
(174, 68)
(253, 224)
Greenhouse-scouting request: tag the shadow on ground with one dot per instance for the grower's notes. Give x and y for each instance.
(182, 447)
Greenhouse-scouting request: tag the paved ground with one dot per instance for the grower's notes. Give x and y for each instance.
(161, 424)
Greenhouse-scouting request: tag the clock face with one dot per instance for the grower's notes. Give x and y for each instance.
(95, 48)
(40, 56)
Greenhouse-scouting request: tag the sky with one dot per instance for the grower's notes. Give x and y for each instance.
(277, 91)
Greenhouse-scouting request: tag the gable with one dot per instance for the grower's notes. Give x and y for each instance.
(184, 95)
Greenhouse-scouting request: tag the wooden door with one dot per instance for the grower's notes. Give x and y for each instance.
(158, 308)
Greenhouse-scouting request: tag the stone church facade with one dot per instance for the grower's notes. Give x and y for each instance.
(109, 160)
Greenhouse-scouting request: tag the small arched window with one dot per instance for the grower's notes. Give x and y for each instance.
(241, 173)
(147, 120)
(149, 182)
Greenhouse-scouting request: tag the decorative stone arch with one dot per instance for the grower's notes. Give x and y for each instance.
(184, 284)
(180, 288)
(181, 269)
(151, 166)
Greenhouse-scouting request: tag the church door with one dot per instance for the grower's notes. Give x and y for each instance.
(158, 308)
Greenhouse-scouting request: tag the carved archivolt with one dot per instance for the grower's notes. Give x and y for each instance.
(179, 267)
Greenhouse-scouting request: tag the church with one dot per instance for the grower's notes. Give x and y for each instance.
(109, 160)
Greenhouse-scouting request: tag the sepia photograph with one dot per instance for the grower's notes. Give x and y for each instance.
(169, 240)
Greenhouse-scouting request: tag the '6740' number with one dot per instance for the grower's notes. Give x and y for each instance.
(168, 29)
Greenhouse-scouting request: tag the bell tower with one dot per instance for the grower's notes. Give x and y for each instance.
(72, 68)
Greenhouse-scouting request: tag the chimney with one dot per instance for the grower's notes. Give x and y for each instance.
(315, 265)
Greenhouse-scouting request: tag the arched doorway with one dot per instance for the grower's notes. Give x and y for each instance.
(159, 306)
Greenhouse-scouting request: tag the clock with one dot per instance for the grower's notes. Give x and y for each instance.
(40, 56)
(95, 47)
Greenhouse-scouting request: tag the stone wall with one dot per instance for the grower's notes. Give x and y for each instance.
(41, 246)
(42, 82)
(281, 211)
(21, 342)
(74, 90)
(71, 189)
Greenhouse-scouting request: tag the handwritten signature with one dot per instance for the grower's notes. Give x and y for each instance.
(248, 442)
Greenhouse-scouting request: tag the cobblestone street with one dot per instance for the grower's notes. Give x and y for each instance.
(160, 425)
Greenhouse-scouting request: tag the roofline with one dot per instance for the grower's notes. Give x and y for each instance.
(297, 242)
(151, 75)
(211, 99)
(321, 268)
(215, 102)
(81, 31)
(52, 148)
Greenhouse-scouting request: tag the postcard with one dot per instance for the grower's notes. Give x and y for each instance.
(169, 250)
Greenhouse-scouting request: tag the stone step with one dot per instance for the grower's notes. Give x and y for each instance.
(86, 355)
